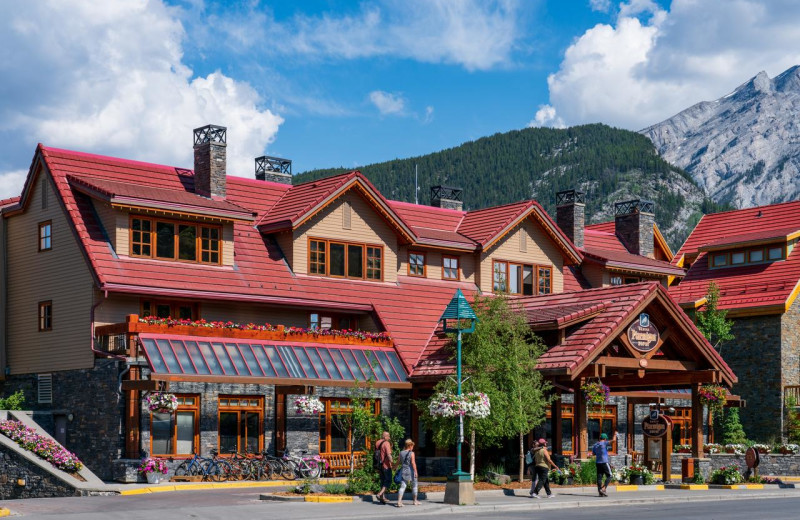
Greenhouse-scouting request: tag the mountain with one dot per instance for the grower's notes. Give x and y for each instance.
(608, 164)
(744, 148)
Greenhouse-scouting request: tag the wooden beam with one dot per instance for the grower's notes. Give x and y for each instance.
(652, 364)
(697, 423)
(581, 442)
(141, 385)
(555, 427)
(673, 380)
(663, 337)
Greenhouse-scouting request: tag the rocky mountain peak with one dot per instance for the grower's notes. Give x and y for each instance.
(743, 148)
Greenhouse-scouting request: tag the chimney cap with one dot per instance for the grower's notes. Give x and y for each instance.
(634, 206)
(569, 197)
(210, 134)
(270, 164)
(446, 192)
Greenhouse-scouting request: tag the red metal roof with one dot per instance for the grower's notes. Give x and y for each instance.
(8, 202)
(626, 260)
(772, 284)
(574, 279)
(485, 224)
(138, 194)
(756, 236)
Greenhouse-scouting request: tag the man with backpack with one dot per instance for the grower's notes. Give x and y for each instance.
(600, 451)
(382, 459)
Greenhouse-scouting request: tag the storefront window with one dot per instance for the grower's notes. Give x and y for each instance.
(335, 426)
(599, 420)
(176, 433)
(240, 424)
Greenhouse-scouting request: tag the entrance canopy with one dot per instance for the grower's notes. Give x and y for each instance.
(210, 359)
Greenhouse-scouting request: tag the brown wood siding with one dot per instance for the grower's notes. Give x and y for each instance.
(541, 251)
(61, 275)
(366, 225)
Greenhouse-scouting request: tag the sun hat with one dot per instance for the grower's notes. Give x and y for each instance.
(542, 442)
(603, 437)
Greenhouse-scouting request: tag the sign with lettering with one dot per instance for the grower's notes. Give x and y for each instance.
(655, 426)
(643, 335)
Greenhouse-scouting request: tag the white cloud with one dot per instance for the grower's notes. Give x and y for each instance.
(546, 116)
(388, 104)
(428, 117)
(600, 5)
(475, 34)
(652, 63)
(11, 183)
(108, 77)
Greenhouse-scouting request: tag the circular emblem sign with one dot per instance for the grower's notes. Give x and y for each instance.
(655, 425)
(752, 458)
(642, 334)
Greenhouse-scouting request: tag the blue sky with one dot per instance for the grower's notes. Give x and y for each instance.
(341, 83)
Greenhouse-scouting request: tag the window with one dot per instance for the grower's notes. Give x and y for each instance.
(599, 420)
(335, 427)
(616, 280)
(749, 256)
(241, 424)
(450, 268)
(522, 279)
(176, 433)
(345, 259)
(173, 240)
(720, 259)
(756, 255)
(775, 253)
(45, 316)
(317, 321)
(45, 236)
(416, 263)
(737, 258)
(169, 309)
(631, 279)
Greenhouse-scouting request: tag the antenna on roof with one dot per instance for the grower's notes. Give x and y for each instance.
(416, 185)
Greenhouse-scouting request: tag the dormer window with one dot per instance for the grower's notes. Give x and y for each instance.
(756, 255)
(165, 239)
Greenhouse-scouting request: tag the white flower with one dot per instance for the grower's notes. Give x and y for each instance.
(471, 404)
(308, 405)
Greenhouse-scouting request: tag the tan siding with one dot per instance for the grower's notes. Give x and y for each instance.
(108, 219)
(433, 260)
(123, 245)
(366, 226)
(60, 275)
(285, 243)
(541, 251)
(227, 244)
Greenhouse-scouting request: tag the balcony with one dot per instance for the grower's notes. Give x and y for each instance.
(792, 391)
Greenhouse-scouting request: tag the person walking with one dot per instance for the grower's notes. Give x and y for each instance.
(384, 447)
(409, 471)
(530, 468)
(542, 464)
(600, 451)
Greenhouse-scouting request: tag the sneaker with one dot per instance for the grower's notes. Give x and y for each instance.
(551, 495)
(534, 495)
(530, 494)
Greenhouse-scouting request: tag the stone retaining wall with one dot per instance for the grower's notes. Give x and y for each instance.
(771, 464)
(38, 483)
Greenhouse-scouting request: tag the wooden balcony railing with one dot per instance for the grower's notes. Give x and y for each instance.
(792, 391)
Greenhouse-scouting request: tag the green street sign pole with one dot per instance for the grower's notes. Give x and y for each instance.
(459, 471)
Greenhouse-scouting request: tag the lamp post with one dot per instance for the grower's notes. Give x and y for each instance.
(459, 488)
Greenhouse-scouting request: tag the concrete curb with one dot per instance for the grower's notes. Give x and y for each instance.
(331, 500)
(222, 485)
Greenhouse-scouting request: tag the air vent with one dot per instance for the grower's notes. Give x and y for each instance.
(45, 389)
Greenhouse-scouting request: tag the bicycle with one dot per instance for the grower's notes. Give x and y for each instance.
(216, 469)
(304, 467)
(191, 467)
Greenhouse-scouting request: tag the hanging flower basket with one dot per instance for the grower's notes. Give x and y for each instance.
(471, 404)
(308, 405)
(595, 392)
(713, 396)
(162, 402)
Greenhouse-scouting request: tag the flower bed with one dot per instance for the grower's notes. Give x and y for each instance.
(46, 448)
(471, 404)
(786, 449)
(727, 475)
(637, 470)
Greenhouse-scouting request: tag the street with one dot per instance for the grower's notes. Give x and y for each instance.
(667, 505)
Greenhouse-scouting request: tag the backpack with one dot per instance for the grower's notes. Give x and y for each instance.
(377, 458)
(529, 458)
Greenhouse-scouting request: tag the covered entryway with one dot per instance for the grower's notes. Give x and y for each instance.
(632, 338)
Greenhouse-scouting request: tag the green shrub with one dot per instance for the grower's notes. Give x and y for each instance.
(13, 402)
(500, 469)
(732, 431)
(698, 478)
(305, 487)
(335, 489)
(587, 472)
(727, 475)
(363, 481)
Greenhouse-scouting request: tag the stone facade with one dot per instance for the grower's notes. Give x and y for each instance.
(571, 218)
(790, 345)
(91, 397)
(38, 483)
(282, 178)
(209, 169)
(635, 231)
(771, 464)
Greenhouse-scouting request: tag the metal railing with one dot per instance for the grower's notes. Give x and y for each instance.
(112, 343)
(792, 391)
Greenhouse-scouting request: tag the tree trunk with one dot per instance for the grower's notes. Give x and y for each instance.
(472, 455)
(352, 460)
(521, 456)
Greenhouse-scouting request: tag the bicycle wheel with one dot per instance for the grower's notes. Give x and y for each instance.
(183, 469)
(288, 470)
(217, 471)
(310, 470)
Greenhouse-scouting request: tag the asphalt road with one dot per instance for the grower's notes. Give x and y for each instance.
(245, 505)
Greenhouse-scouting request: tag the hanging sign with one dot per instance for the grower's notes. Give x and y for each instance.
(655, 425)
(642, 334)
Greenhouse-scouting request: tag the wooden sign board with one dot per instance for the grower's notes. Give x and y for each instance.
(642, 334)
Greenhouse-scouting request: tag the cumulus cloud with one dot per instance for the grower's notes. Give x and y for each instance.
(108, 77)
(546, 116)
(388, 104)
(11, 183)
(474, 34)
(652, 63)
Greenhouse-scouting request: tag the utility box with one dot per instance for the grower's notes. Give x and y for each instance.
(687, 469)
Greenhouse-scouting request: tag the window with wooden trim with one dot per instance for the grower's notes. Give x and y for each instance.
(45, 316)
(416, 263)
(598, 420)
(45, 235)
(169, 309)
(776, 252)
(326, 321)
(616, 280)
(345, 259)
(241, 424)
(741, 257)
(335, 427)
(450, 270)
(524, 279)
(165, 239)
(177, 433)
(631, 279)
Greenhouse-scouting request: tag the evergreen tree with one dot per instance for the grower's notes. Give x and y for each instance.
(732, 431)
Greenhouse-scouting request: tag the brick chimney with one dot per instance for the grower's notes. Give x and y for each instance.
(274, 169)
(447, 197)
(571, 214)
(633, 224)
(209, 160)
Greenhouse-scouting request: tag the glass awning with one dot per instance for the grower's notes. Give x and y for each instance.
(170, 355)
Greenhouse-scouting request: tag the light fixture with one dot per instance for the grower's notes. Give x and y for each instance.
(70, 417)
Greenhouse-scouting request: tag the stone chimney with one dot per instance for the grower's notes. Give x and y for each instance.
(446, 197)
(633, 224)
(571, 214)
(209, 160)
(274, 169)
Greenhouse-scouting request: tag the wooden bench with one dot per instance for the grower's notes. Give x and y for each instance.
(339, 463)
